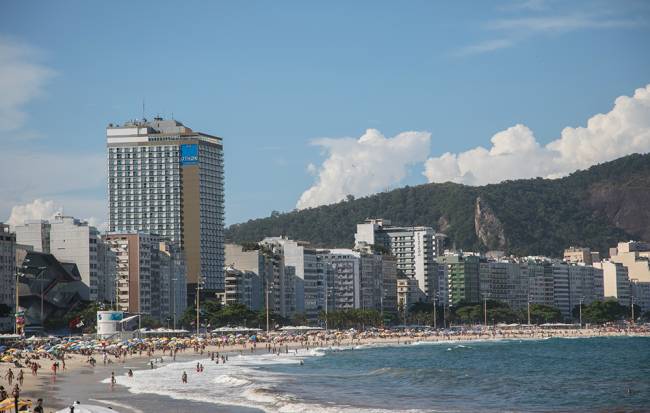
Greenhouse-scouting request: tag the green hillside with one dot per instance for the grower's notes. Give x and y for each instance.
(594, 208)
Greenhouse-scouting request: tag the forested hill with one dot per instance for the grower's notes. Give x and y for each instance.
(595, 208)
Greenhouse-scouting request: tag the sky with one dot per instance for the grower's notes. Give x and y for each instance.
(318, 100)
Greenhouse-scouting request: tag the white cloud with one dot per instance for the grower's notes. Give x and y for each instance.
(363, 166)
(515, 153)
(21, 80)
(37, 209)
(74, 181)
(512, 30)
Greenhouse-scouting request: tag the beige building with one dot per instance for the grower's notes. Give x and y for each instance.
(577, 255)
(616, 282)
(636, 257)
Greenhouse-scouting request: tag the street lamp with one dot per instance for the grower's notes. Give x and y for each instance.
(581, 300)
(485, 309)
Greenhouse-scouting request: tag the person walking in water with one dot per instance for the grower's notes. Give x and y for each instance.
(184, 377)
(113, 379)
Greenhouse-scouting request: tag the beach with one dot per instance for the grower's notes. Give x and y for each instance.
(83, 382)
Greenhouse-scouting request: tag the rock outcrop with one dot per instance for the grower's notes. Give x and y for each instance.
(488, 227)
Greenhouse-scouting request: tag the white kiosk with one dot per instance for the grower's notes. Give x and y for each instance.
(109, 323)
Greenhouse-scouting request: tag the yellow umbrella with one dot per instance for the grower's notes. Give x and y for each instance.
(7, 405)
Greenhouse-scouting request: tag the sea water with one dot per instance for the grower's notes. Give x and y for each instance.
(557, 374)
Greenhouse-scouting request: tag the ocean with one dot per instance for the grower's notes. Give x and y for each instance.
(551, 375)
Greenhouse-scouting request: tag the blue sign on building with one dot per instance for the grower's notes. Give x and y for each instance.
(189, 154)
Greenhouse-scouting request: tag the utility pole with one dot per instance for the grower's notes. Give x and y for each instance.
(435, 316)
(528, 309)
(173, 280)
(198, 306)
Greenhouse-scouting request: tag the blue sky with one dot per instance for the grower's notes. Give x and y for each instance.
(272, 78)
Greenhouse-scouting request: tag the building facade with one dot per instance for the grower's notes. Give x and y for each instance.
(616, 282)
(150, 273)
(309, 275)
(35, 233)
(164, 178)
(415, 249)
(461, 275)
(242, 287)
(7, 274)
(73, 240)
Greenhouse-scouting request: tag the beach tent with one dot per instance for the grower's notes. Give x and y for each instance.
(87, 408)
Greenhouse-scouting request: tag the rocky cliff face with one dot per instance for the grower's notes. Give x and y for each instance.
(625, 204)
(488, 227)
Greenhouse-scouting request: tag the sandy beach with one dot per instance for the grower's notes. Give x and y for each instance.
(83, 382)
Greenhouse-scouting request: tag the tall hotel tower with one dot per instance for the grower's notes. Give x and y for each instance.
(166, 179)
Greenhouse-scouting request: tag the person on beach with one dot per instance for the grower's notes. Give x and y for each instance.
(20, 377)
(3, 393)
(39, 406)
(113, 379)
(10, 376)
(130, 373)
(184, 377)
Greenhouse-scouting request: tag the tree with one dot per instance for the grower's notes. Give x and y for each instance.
(599, 312)
(540, 314)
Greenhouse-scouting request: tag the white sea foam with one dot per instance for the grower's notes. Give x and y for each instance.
(238, 382)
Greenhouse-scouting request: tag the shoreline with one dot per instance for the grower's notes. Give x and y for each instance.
(58, 393)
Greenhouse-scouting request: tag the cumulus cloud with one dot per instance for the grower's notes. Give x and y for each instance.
(363, 166)
(515, 153)
(21, 80)
(37, 209)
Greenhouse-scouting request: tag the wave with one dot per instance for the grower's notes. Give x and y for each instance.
(242, 381)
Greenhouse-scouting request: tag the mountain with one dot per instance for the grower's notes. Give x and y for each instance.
(595, 208)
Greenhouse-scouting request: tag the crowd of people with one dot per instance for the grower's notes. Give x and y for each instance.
(32, 354)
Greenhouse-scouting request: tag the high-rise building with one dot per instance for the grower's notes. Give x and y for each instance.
(7, 273)
(461, 275)
(310, 275)
(415, 249)
(73, 240)
(616, 282)
(267, 262)
(167, 179)
(35, 233)
(149, 274)
(346, 283)
(242, 287)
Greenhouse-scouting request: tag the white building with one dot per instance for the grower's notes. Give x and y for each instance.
(310, 275)
(73, 240)
(267, 261)
(35, 233)
(166, 179)
(7, 274)
(346, 266)
(415, 248)
(635, 256)
(242, 287)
